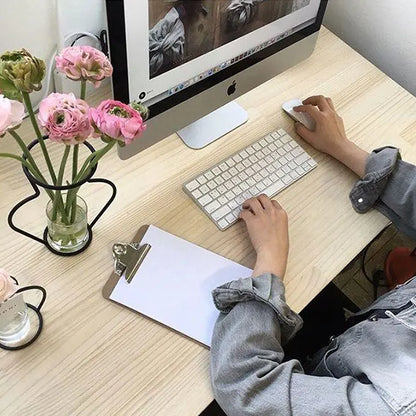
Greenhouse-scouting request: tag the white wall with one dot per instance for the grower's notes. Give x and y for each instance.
(384, 31)
(33, 24)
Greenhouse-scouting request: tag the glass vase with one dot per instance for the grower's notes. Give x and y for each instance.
(15, 328)
(71, 234)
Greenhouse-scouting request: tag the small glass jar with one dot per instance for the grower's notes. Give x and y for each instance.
(15, 328)
(70, 236)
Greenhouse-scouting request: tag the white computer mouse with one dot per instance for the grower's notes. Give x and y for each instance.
(301, 117)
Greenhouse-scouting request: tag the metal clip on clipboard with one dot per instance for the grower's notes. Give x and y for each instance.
(128, 257)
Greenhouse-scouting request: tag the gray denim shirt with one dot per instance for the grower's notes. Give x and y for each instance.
(369, 370)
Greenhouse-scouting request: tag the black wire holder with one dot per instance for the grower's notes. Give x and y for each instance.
(35, 183)
(36, 309)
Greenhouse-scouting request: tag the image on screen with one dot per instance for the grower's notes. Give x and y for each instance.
(182, 30)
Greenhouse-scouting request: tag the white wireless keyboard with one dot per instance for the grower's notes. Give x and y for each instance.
(265, 167)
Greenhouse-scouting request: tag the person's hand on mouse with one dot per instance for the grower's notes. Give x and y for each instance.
(267, 225)
(329, 135)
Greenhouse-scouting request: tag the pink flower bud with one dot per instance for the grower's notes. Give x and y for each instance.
(11, 114)
(65, 118)
(84, 63)
(117, 120)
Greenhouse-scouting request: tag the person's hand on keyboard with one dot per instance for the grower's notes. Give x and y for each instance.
(267, 225)
(329, 135)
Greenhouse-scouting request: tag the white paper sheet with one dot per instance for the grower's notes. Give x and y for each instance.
(174, 284)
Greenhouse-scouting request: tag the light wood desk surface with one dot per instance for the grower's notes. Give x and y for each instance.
(97, 358)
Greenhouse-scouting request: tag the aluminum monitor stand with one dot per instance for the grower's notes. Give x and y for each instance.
(214, 125)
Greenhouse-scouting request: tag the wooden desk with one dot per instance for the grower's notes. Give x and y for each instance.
(97, 358)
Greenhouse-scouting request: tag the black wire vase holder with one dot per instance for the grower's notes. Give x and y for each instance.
(35, 183)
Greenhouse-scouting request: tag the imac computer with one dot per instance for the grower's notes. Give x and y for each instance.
(187, 60)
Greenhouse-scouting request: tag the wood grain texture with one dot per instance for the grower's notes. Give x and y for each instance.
(97, 358)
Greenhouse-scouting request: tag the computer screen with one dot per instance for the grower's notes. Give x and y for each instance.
(167, 51)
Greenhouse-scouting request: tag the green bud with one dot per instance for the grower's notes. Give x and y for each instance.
(24, 71)
(142, 109)
(8, 89)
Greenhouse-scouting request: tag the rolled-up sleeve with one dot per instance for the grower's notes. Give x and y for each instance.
(248, 374)
(389, 185)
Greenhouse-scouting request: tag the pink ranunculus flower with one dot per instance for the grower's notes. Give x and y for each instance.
(7, 286)
(84, 62)
(117, 120)
(65, 118)
(11, 114)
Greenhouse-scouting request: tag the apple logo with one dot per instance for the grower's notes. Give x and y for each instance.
(231, 88)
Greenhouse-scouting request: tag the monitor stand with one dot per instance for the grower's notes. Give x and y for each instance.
(214, 125)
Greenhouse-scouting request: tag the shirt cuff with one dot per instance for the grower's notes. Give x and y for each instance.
(268, 289)
(379, 167)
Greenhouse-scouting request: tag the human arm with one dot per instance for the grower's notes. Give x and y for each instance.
(387, 183)
(249, 376)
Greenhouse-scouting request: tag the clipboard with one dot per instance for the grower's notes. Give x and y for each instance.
(173, 283)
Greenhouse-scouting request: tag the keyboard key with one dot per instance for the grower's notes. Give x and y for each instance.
(226, 175)
(222, 189)
(233, 171)
(243, 176)
(201, 179)
(212, 206)
(294, 174)
(229, 195)
(297, 151)
(250, 150)
(231, 217)
(275, 135)
(263, 143)
(204, 189)
(287, 179)
(214, 194)
(211, 184)
(300, 171)
(230, 162)
(312, 163)
(240, 167)
(219, 180)
(223, 167)
(223, 223)
(269, 139)
(192, 185)
(274, 189)
(285, 138)
(256, 146)
(243, 154)
(197, 193)
(250, 172)
(281, 132)
(205, 200)
(237, 158)
(221, 212)
(209, 175)
(302, 158)
(216, 170)
(223, 200)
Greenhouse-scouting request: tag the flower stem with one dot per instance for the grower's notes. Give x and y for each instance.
(23, 162)
(29, 108)
(59, 183)
(88, 165)
(74, 174)
(31, 161)
(83, 89)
